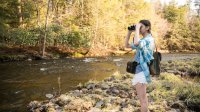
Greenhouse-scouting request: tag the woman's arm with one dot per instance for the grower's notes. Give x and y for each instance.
(137, 34)
(127, 45)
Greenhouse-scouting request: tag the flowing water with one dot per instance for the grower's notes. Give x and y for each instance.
(22, 82)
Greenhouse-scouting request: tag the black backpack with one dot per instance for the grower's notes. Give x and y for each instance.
(154, 66)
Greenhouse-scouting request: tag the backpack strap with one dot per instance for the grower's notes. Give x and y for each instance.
(155, 45)
(158, 52)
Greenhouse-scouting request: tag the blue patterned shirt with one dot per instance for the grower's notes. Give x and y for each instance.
(144, 53)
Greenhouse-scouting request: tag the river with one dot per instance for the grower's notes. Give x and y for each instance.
(24, 81)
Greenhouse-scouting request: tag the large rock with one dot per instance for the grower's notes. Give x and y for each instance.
(63, 100)
(78, 105)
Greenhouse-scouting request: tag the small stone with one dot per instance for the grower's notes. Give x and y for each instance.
(100, 104)
(17, 92)
(43, 69)
(123, 104)
(174, 110)
(33, 105)
(170, 61)
(123, 94)
(77, 93)
(110, 79)
(171, 71)
(91, 86)
(104, 86)
(115, 91)
(133, 102)
(42, 108)
(97, 91)
(95, 110)
(49, 96)
(96, 97)
(164, 103)
(29, 59)
(51, 109)
(84, 90)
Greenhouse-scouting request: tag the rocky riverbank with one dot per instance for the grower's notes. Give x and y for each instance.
(184, 67)
(167, 93)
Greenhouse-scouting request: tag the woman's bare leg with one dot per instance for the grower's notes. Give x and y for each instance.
(141, 93)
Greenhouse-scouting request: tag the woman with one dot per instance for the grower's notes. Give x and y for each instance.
(144, 53)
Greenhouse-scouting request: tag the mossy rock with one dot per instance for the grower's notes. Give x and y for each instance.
(76, 54)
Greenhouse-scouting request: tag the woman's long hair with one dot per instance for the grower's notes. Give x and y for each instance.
(146, 23)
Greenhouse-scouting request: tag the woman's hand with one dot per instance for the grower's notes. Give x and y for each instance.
(136, 38)
(138, 26)
(130, 31)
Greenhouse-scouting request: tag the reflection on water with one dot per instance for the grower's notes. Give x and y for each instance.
(22, 82)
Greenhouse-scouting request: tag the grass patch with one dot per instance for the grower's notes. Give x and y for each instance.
(172, 88)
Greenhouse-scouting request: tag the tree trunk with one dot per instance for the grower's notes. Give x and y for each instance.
(97, 25)
(82, 13)
(37, 12)
(39, 43)
(45, 33)
(20, 12)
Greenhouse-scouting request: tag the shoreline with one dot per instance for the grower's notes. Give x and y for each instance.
(29, 54)
(171, 91)
(116, 94)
